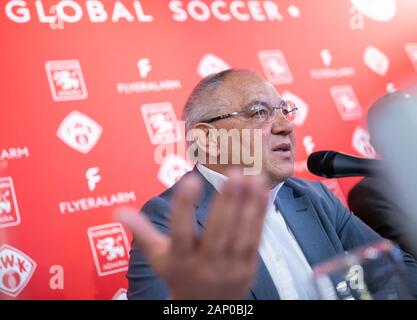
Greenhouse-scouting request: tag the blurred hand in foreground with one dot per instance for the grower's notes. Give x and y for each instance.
(220, 263)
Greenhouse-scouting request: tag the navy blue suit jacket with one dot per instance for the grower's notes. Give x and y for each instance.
(323, 227)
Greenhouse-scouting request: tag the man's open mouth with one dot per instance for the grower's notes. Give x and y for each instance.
(283, 147)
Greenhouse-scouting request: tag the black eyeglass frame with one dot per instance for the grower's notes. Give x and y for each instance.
(252, 107)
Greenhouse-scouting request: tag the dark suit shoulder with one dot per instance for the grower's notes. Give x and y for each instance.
(157, 210)
(369, 184)
(372, 195)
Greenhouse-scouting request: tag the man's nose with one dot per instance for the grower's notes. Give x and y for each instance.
(281, 126)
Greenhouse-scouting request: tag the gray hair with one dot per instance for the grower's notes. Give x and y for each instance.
(198, 107)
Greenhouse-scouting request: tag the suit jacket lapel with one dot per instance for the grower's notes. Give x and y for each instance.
(263, 287)
(305, 224)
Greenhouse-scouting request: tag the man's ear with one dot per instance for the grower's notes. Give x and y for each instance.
(206, 138)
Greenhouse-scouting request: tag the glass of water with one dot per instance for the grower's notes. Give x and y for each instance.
(372, 272)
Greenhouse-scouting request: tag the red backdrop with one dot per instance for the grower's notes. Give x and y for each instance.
(90, 89)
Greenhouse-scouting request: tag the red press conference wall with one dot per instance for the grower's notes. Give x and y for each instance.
(91, 89)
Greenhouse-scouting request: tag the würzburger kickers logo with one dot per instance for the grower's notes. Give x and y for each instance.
(16, 269)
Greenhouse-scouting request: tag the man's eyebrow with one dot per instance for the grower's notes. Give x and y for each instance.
(256, 102)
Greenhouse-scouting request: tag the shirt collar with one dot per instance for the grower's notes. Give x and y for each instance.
(217, 180)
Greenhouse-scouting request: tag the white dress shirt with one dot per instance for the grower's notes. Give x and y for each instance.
(278, 248)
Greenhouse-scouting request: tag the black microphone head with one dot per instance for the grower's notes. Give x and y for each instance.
(317, 163)
(331, 164)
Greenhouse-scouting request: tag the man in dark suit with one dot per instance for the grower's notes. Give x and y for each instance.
(219, 235)
(379, 201)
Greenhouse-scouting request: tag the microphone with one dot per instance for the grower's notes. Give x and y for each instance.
(331, 164)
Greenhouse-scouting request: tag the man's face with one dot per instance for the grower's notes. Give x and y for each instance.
(278, 140)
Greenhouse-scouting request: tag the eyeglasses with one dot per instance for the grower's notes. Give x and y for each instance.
(261, 111)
